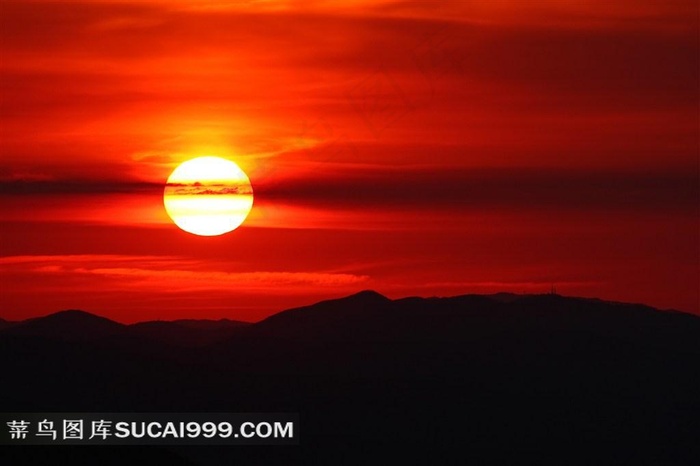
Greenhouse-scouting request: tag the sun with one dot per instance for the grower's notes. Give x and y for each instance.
(208, 196)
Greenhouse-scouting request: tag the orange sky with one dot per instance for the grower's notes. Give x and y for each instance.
(412, 147)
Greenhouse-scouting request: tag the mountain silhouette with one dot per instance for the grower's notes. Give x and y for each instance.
(80, 325)
(345, 315)
(473, 379)
(71, 324)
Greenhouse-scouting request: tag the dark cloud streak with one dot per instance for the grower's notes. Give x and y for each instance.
(40, 188)
(527, 189)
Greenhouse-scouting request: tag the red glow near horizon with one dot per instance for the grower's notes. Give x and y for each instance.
(406, 147)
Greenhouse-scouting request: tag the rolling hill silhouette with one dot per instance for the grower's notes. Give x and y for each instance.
(77, 325)
(69, 325)
(499, 379)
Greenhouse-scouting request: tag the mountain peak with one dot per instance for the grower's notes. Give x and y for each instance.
(367, 295)
(75, 316)
(72, 313)
(335, 312)
(66, 323)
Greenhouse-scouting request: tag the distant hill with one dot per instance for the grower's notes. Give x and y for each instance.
(474, 379)
(369, 316)
(80, 325)
(360, 311)
(71, 324)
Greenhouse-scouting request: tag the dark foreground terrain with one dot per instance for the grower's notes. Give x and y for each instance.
(500, 379)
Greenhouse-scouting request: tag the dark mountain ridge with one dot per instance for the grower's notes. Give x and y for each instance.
(485, 379)
(371, 317)
(365, 308)
(68, 324)
(80, 325)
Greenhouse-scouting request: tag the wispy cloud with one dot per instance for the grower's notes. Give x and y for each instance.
(188, 280)
(488, 76)
(161, 274)
(72, 259)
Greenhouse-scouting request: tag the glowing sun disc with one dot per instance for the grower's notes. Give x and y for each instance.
(208, 196)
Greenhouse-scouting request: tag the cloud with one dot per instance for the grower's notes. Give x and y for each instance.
(187, 280)
(164, 274)
(102, 88)
(365, 197)
(31, 186)
(82, 258)
(510, 189)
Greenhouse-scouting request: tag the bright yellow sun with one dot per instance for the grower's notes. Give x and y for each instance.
(208, 196)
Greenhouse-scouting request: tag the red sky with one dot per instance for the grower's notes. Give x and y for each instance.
(411, 147)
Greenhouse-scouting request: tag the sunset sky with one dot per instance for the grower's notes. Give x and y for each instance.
(411, 147)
